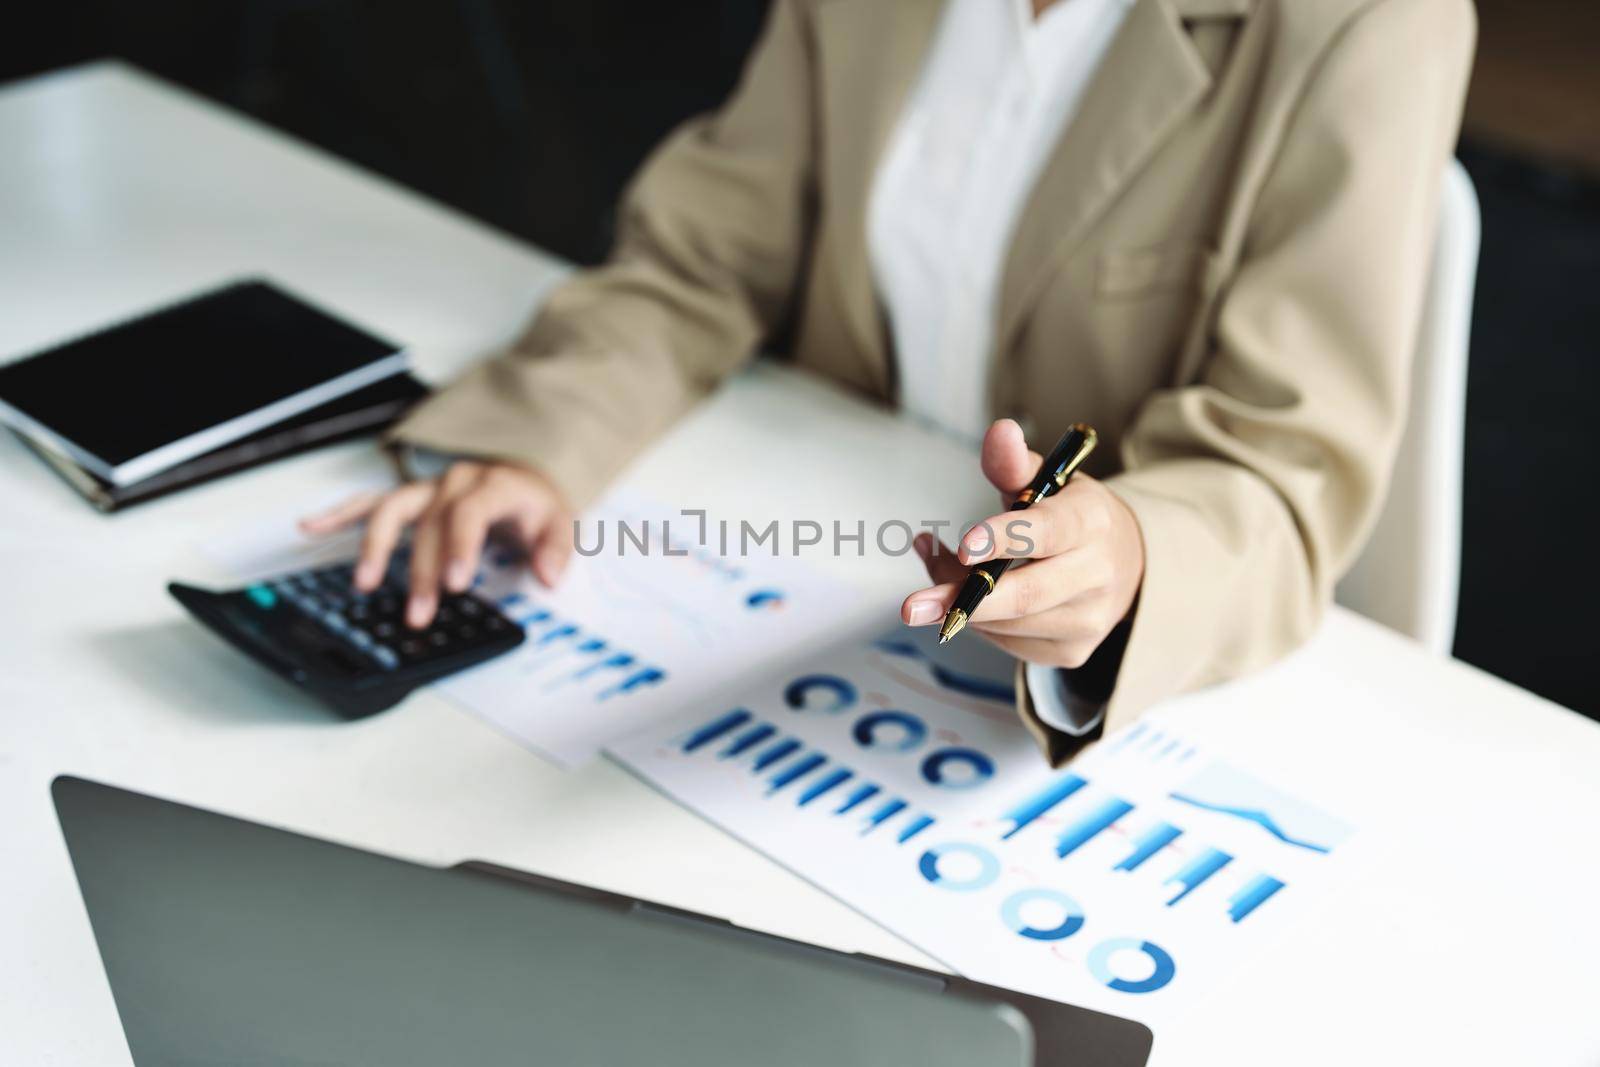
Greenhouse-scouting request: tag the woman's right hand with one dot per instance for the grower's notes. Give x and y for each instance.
(452, 516)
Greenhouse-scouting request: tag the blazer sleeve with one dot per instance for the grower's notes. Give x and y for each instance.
(1256, 486)
(711, 236)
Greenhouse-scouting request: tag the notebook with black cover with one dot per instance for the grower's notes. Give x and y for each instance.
(364, 411)
(136, 399)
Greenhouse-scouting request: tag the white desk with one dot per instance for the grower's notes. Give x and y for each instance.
(1479, 944)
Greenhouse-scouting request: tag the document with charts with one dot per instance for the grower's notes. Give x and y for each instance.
(630, 635)
(650, 621)
(896, 776)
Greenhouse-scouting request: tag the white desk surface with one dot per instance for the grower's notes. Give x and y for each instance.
(1476, 942)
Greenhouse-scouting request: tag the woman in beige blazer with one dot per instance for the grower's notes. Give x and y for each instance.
(1220, 266)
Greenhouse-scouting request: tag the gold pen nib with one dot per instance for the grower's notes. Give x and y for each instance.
(953, 623)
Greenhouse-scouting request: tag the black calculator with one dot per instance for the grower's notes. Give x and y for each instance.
(352, 650)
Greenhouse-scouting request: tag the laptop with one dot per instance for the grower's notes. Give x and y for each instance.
(225, 941)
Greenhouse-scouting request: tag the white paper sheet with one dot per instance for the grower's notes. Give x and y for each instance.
(896, 777)
(630, 638)
(627, 637)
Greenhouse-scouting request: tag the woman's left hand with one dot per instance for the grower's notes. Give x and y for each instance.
(1084, 562)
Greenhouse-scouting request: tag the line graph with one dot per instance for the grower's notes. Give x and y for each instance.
(1260, 818)
(1224, 790)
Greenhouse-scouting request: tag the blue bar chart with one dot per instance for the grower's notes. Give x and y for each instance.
(825, 785)
(796, 771)
(1097, 819)
(1148, 844)
(566, 658)
(776, 753)
(749, 739)
(1080, 814)
(1025, 812)
(716, 728)
(1193, 873)
(1252, 895)
(860, 795)
(806, 774)
(1091, 820)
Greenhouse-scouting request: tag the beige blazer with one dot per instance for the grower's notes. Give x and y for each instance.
(1221, 268)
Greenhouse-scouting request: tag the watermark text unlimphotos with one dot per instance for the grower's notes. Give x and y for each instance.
(692, 530)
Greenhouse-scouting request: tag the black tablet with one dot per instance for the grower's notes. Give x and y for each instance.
(134, 399)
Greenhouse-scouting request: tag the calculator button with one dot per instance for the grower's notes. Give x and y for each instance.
(385, 630)
(385, 657)
(411, 648)
(438, 638)
(469, 608)
(263, 596)
(360, 638)
(494, 624)
(335, 622)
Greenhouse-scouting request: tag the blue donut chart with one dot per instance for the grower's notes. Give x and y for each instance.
(933, 768)
(798, 693)
(1100, 965)
(1071, 921)
(988, 866)
(867, 730)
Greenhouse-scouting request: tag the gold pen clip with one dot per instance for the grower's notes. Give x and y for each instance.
(1090, 439)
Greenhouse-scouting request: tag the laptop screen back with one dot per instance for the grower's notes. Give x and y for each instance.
(227, 941)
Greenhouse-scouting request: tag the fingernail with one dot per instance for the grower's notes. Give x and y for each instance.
(419, 611)
(366, 575)
(922, 612)
(457, 576)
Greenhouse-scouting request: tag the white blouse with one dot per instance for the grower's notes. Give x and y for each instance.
(996, 92)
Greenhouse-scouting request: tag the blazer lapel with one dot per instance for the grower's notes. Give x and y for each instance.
(1149, 79)
(869, 56)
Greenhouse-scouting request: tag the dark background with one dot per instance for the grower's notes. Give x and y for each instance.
(531, 115)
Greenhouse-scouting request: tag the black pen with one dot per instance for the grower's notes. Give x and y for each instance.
(1068, 455)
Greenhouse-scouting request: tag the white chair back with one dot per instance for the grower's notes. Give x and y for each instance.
(1408, 577)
